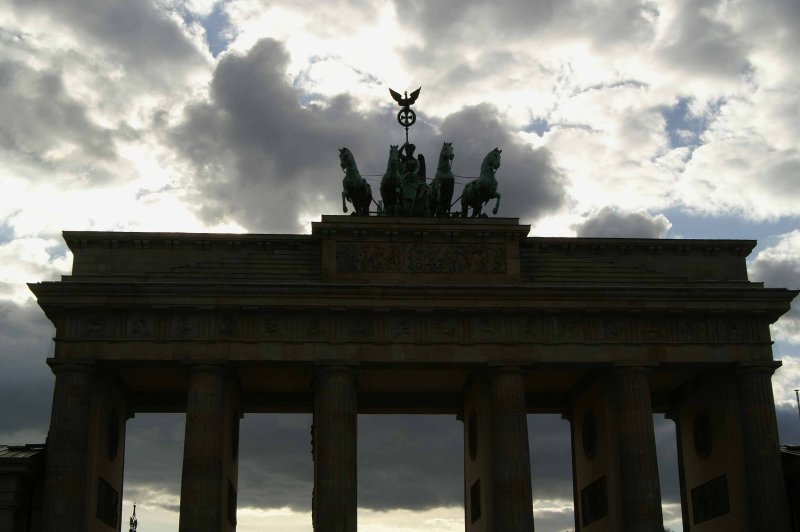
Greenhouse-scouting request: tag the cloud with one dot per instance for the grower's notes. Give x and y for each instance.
(640, 105)
(41, 125)
(778, 266)
(528, 181)
(153, 459)
(26, 383)
(147, 41)
(276, 469)
(701, 43)
(411, 462)
(611, 223)
(477, 21)
(265, 160)
(30, 259)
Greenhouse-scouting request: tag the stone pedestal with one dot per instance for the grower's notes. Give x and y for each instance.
(614, 454)
(210, 452)
(85, 451)
(766, 493)
(335, 439)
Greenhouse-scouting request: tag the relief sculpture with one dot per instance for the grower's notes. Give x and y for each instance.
(408, 257)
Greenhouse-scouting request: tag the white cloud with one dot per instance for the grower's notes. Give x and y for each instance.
(778, 266)
(786, 379)
(611, 223)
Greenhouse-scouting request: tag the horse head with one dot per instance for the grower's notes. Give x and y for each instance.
(393, 165)
(446, 156)
(346, 159)
(491, 162)
(447, 150)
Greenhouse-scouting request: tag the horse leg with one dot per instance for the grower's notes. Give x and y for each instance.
(477, 210)
(496, 203)
(344, 205)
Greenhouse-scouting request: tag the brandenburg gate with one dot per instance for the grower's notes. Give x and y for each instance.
(468, 317)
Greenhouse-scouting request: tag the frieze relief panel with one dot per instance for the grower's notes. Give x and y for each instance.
(140, 325)
(412, 327)
(422, 258)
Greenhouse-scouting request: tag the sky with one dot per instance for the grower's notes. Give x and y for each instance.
(661, 119)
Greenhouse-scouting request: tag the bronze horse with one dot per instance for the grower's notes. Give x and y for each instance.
(390, 184)
(479, 191)
(354, 187)
(443, 183)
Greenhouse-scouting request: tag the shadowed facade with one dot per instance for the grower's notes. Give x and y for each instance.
(376, 315)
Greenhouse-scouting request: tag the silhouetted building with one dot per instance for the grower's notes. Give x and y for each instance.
(21, 481)
(790, 455)
(467, 317)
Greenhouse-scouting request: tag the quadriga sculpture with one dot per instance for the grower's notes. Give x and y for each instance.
(355, 188)
(390, 184)
(479, 191)
(443, 182)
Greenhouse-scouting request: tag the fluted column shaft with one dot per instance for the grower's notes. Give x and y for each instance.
(639, 485)
(66, 484)
(202, 478)
(511, 465)
(335, 440)
(767, 508)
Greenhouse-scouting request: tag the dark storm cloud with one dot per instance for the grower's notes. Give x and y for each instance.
(551, 457)
(26, 383)
(528, 182)
(38, 115)
(136, 34)
(667, 452)
(276, 469)
(412, 462)
(610, 223)
(262, 159)
(154, 456)
(409, 462)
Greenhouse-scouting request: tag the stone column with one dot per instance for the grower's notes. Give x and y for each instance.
(335, 411)
(767, 505)
(511, 465)
(639, 486)
(204, 482)
(66, 486)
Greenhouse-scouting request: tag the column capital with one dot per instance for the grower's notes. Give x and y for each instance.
(72, 366)
(502, 368)
(638, 367)
(766, 367)
(322, 368)
(206, 365)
